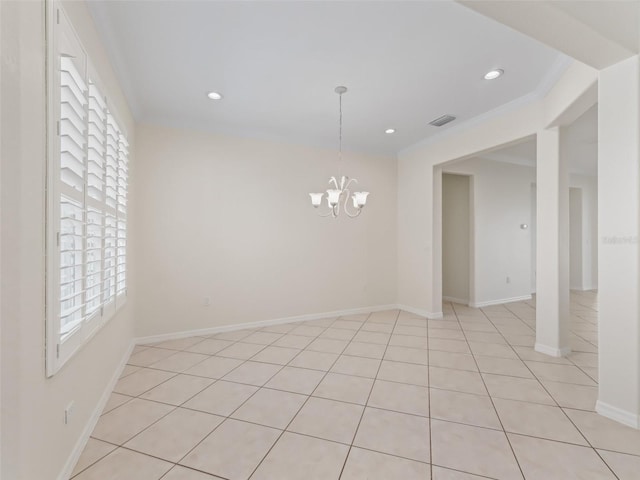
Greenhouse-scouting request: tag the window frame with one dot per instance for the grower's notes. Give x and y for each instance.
(60, 350)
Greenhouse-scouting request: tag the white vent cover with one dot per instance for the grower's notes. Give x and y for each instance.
(443, 120)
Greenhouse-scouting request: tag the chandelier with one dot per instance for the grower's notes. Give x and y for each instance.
(338, 194)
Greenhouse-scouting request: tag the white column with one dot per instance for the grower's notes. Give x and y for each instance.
(618, 230)
(552, 244)
(435, 306)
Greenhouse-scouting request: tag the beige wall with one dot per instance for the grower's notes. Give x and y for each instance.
(231, 219)
(35, 442)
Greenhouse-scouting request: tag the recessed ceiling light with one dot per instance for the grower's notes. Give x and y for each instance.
(390, 130)
(214, 96)
(493, 74)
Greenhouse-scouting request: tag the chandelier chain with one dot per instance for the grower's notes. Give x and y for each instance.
(340, 146)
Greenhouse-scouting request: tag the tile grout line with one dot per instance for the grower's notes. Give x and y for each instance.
(229, 416)
(302, 406)
(490, 398)
(348, 342)
(373, 384)
(561, 409)
(179, 406)
(377, 408)
(429, 400)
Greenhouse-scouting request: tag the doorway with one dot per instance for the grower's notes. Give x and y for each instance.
(456, 237)
(575, 239)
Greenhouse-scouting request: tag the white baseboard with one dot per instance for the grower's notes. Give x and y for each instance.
(500, 301)
(455, 300)
(277, 321)
(93, 419)
(552, 351)
(261, 323)
(585, 288)
(421, 312)
(617, 414)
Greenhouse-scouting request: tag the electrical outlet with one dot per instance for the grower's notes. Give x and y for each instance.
(508, 279)
(206, 302)
(68, 413)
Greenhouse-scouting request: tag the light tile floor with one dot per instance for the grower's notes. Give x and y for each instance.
(388, 395)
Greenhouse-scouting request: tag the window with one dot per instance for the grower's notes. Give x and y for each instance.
(87, 199)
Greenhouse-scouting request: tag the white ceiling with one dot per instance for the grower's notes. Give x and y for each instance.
(618, 21)
(277, 63)
(581, 147)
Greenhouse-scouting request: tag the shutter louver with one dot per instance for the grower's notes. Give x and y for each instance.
(122, 257)
(110, 239)
(97, 144)
(72, 131)
(111, 175)
(123, 177)
(73, 115)
(123, 174)
(71, 265)
(94, 261)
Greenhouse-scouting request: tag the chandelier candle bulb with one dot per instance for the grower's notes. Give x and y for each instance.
(333, 197)
(360, 199)
(316, 199)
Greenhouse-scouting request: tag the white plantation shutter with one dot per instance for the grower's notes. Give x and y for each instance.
(109, 281)
(112, 134)
(71, 264)
(123, 178)
(94, 249)
(97, 144)
(73, 115)
(87, 204)
(72, 139)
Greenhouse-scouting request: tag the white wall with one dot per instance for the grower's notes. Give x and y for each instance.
(502, 199)
(231, 219)
(619, 230)
(419, 200)
(417, 282)
(502, 202)
(575, 239)
(419, 237)
(533, 227)
(35, 442)
(589, 190)
(586, 276)
(456, 233)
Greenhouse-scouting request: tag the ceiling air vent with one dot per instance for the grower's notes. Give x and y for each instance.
(443, 120)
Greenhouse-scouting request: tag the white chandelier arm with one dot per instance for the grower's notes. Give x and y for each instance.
(352, 216)
(346, 201)
(333, 212)
(328, 214)
(346, 187)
